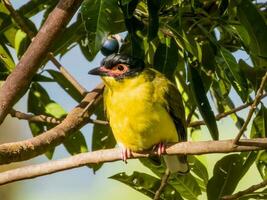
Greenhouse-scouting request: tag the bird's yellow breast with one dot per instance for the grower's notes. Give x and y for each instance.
(138, 119)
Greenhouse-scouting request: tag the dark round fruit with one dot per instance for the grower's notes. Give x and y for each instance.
(110, 46)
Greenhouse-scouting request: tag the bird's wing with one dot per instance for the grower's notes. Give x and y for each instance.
(176, 110)
(168, 95)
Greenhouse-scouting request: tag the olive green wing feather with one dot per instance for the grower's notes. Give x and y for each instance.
(175, 108)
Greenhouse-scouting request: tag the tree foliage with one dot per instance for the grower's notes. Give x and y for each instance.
(193, 43)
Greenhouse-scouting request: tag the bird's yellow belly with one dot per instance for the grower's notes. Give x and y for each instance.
(139, 125)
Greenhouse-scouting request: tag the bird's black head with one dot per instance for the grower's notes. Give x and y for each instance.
(119, 66)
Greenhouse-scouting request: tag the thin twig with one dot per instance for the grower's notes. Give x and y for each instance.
(164, 181)
(111, 155)
(252, 109)
(190, 115)
(225, 114)
(246, 191)
(47, 119)
(34, 118)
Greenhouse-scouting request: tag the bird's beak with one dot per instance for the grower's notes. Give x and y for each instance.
(100, 71)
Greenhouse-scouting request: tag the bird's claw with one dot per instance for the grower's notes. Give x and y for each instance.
(161, 147)
(125, 154)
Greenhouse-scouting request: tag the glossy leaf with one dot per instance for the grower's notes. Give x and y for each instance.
(147, 185)
(166, 57)
(21, 42)
(65, 85)
(256, 27)
(186, 185)
(235, 74)
(101, 18)
(202, 102)
(227, 173)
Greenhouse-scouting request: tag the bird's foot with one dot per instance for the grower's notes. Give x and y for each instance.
(125, 153)
(161, 147)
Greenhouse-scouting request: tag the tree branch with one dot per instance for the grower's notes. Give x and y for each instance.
(252, 108)
(246, 191)
(18, 81)
(164, 182)
(225, 114)
(111, 155)
(23, 150)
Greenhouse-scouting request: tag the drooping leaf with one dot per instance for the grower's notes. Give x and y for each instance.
(101, 18)
(202, 102)
(198, 168)
(227, 173)
(21, 42)
(75, 143)
(235, 74)
(256, 27)
(166, 58)
(186, 185)
(258, 130)
(102, 135)
(65, 85)
(153, 18)
(147, 185)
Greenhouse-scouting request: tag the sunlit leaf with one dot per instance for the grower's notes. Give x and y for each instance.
(147, 185)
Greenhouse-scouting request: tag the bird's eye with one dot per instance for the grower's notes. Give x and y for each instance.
(120, 67)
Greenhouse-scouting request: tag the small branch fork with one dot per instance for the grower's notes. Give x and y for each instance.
(111, 155)
(252, 109)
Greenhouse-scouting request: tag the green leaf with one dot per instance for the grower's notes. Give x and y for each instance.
(235, 74)
(256, 27)
(75, 143)
(198, 91)
(101, 18)
(21, 42)
(186, 185)
(102, 134)
(166, 58)
(259, 125)
(258, 130)
(227, 173)
(66, 85)
(39, 102)
(198, 168)
(6, 58)
(153, 18)
(147, 185)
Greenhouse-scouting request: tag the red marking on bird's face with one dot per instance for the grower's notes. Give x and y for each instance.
(117, 70)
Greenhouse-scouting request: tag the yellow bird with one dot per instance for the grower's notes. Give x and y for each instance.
(143, 107)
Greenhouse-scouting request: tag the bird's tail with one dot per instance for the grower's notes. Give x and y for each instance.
(176, 164)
